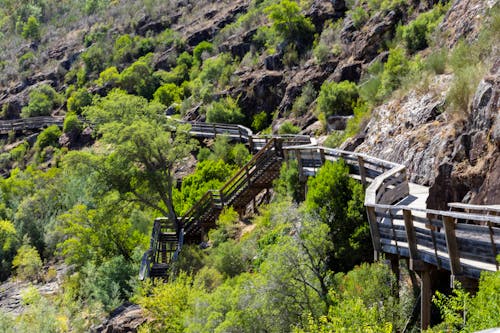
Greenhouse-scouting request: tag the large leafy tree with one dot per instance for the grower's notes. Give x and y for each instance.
(338, 200)
(141, 148)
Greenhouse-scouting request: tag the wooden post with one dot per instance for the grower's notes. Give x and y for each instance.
(394, 259)
(362, 171)
(451, 245)
(299, 165)
(372, 219)
(322, 156)
(414, 263)
(425, 300)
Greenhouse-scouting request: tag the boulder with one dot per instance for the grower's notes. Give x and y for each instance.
(125, 319)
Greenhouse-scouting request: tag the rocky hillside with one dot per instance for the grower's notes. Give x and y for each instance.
(276, 77)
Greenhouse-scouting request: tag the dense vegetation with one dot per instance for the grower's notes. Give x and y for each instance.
(302, 264)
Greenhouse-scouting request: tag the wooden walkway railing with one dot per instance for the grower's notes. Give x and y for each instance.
(33, 123)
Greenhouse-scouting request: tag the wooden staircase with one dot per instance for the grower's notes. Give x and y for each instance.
(167, 238)
(253, 178)
(164, 249)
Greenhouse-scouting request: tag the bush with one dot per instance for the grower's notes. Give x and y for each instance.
(27, 263)
(78, 100)
(168, 94)
(225, 111)
(396, 68)
(416, 35)
(436, 61)
(462, 89)
(288, 128)
(48, 137)
(259, 121)
(359, 16)
(289, 23)
(304, 101)
(138, 78)
(201, 49)
(26, 60)
(337, 98)
(31, 29)
(42, 101)
(72, 123)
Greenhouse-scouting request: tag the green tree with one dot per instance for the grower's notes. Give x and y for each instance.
(225, 111)
(395, 69)
(141, 163)
(138, 78)
(168, 94)
(42, 100)
(31, 29)
(337, 98)
(48, 137)
(289, 23)
(78, 100)
(27, 262)
(338, 201)
(200, 49)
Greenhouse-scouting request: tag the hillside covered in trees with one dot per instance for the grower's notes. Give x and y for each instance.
(413, 82)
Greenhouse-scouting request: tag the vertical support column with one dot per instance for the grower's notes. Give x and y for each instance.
(414, 264)
(362, 171)
(299, 165)
(425, 300)
(452, 246)
(394, 259)
(372, 219)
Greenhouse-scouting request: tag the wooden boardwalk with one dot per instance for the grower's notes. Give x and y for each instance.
(464, 240)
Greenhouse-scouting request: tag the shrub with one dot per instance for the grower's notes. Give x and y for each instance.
(109, 76)
(168, 93)
(337, 98)
(123, 49)
(395, 69)
(416, 35)
(289, 23)
(96, 57)
(31, 29)
(48, 137)
(259, 121)
(78, 100)
(288, 128)
(304, 101)
(462, 88)
(41, 102)
(72, 123)
(359, 16)
(200, 49)
(225, 111)
(436, 61)
(26, 60)
(27, 262)
(138, 78)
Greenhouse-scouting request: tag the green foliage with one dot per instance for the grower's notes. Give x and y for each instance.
(225, 111)
(329, 42)
(96, 57)
(27, 262)
(9, 243)
(48, 137)
(337, 98)
(78, 100)
(462, 89)
(396, 67)
(31, 29)
(288, 183)
(209, 174)
(354, 125)
(168, 94)
(138, 78)
(229, 258)
(42, 100)
(417, 34)
(169, 303)
(26, 60)
(328, 193)
(359, 16)
(109, 283)
(288, 128)
(260, 121)
(436, 61)
(462, 312)
(303, 102)
(72, 124)
(201, 49)
(110, 76)
(289, 23)
(227, 227)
